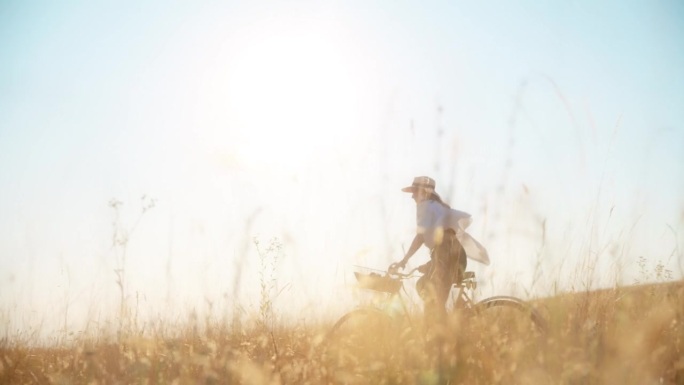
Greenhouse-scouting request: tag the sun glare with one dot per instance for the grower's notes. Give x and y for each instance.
(294, 96)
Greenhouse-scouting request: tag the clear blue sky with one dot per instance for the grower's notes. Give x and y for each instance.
(309, 117)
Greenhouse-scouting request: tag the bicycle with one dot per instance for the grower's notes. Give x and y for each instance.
(381, 344)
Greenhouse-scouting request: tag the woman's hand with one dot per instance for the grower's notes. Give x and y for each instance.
(396, 266)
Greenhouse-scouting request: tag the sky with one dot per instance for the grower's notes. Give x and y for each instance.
(558, 126)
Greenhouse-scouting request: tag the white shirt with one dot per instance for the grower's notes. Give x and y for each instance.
(433, 218)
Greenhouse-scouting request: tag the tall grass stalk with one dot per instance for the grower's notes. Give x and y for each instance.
(268, 262)
(120, 242)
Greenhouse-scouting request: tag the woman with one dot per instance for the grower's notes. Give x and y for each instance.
(442, 230)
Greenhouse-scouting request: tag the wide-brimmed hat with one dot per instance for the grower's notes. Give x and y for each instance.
(420, 182)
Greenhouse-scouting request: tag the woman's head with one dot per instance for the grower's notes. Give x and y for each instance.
(423, 188)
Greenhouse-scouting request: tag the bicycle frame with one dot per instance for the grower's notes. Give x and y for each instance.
(459, 292)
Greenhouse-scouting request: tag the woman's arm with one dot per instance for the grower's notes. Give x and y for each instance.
(415, 245)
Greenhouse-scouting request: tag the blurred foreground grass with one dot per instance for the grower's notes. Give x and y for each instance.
(629, 335)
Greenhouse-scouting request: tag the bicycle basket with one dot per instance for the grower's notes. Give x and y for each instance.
(377, 282)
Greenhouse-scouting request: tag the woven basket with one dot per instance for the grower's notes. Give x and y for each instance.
(377, 282)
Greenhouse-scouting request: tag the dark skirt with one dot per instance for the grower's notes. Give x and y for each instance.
(446, 267)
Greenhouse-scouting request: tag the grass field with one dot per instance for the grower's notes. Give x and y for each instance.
(628, 335)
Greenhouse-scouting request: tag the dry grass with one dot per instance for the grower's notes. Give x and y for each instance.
(627, 335)
(214, 357)
(630, 335)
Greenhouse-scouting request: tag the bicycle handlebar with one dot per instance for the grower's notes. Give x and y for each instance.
(393, 271)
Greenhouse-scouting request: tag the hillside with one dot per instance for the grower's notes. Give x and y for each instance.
(626, 335)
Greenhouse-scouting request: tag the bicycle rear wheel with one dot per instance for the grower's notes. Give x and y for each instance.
(359, 348)
(524, 315)
(503, 341)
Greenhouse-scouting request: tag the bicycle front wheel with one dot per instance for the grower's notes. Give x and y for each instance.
(359, 347)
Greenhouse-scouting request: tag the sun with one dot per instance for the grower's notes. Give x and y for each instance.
(295, 95)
